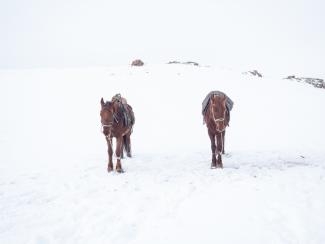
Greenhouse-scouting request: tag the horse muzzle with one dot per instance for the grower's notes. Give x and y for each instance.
(106, 128)
(220, 125)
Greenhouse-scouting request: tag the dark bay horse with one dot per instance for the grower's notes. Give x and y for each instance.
(117, 120)
(216, 113)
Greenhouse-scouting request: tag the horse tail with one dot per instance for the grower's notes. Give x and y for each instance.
(126, 144)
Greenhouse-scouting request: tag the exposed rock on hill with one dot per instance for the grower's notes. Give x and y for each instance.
(254, 73)
(316, 82)
(137, 62)
(188, 62)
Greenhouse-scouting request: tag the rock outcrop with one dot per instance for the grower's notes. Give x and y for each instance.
(188, 62)
(316, 82)
(137, 62)
(254, 73)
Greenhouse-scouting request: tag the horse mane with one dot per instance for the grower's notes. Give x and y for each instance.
(124, 113)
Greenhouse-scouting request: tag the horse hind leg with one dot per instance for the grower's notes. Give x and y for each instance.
(127, 144)
(224, 132)
(122, 152)
(118, 152)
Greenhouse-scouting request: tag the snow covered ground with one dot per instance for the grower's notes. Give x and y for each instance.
(54, 187)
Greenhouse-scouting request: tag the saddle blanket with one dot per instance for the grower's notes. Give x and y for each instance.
(206, 101)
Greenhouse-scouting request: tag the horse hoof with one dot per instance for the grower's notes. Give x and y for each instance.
(129, 155)
(220, 166)
(109, 169)
(120, 170)
(213, 166)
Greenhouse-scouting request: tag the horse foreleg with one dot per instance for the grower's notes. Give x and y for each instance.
(223, 141)
(219, 149)
(213, 149)
(118, 152)
(110, 154)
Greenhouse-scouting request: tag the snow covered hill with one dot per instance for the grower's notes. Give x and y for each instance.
(54, 187)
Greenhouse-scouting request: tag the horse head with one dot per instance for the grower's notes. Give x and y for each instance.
(218, 111)
(107, 114)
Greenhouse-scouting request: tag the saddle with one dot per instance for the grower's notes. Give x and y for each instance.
(125, 111)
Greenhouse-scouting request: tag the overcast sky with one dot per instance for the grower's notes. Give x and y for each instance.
(279, 36)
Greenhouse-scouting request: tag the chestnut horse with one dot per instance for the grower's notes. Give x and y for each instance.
(117, 120)
(216, 113)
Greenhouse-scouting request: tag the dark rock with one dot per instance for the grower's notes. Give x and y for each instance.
(137, 62)
(254, 73)
(316, 82)
(192, 63)
(173, 62)
(188, 62)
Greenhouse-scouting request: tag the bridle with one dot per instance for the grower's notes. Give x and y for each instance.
(109, 125)
(217, 120)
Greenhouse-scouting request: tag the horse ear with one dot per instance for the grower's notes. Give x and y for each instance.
(102, 102)
(212, 99)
